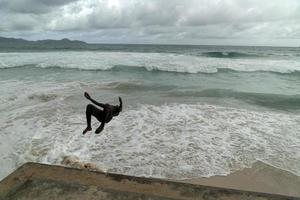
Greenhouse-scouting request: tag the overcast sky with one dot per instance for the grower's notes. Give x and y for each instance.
(221, 22)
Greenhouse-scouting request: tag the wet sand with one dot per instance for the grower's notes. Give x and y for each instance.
(260, 178)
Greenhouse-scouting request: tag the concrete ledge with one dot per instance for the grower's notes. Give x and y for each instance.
(40, 181)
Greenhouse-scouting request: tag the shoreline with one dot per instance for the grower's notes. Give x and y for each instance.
(40, 181)
(261, 177)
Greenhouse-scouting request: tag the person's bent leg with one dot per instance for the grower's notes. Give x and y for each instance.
(89, 111)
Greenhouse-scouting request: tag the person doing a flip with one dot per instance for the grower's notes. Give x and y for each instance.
(103, 116)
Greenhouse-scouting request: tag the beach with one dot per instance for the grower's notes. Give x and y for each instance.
(40, 181)
(260, 178)
(190, 112)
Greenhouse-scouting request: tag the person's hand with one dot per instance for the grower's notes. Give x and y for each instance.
(87, 95)
(120, 104)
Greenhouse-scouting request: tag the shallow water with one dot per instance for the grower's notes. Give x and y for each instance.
(189, 111)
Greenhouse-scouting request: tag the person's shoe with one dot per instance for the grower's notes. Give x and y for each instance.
(86, 130)
(98, 130)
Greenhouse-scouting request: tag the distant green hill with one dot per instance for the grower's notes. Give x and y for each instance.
(19, 44)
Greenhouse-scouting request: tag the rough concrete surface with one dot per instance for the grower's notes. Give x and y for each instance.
(38, 181)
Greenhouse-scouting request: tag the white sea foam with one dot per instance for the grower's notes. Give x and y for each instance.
(151, 61)
(171, 140)
(41, 120)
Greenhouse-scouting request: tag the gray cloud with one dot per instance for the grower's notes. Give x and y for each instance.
(167, 21)
(32, 6)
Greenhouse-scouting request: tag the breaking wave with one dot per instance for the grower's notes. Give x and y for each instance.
(278, 101)
(169, 141)
(164, 62)
(222, 54)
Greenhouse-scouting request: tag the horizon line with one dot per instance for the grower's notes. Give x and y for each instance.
(163, 44)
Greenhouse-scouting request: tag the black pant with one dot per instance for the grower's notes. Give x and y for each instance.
(96, 112)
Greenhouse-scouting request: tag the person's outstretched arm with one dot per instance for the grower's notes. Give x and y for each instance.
(94, 101)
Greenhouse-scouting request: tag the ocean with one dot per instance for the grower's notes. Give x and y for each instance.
(189, 111)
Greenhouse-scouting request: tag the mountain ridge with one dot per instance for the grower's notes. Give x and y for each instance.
(18, 43)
